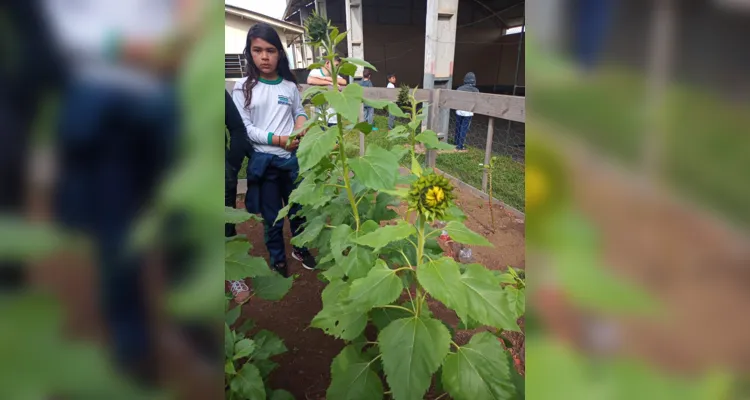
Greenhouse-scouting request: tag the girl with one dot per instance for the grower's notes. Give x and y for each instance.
(270, 105)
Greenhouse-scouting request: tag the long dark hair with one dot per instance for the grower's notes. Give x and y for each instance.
(266, 32)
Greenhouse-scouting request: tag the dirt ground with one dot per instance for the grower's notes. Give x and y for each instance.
(305, 369)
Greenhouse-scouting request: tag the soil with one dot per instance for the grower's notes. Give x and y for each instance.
(305, 369)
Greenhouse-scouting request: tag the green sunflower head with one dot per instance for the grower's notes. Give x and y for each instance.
(317, 28)
(431, 195)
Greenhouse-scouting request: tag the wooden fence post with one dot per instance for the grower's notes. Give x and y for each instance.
(488, 153)
(435, 125)
(361, 135)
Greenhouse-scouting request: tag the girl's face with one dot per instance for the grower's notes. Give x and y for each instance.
(265, 56)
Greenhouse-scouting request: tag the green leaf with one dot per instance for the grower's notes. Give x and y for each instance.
(339, 241)
(319, 99)
(381, 286)
(339, 38)
(478, 370)
(243, 348)
(347, 69)
(461, 234)
(346, 102)
(382, 317)
(454, 213)
(307, 192)
(228, 341)
(517, 300)
(416, 168)
(316, 144)
(280, 394)
(248, 383)
(267, 345)
(246, 326)
(360, 62)
(352, 378)
(363, 127)
(229, 368)
(272, 287)
(398, 132)
(338, 319)
(315, 66)
(431, 141)
(283, 212)
(399, 152)
(387, 234)
(237, 216)
(486, 300)
(265, 367)
(442, 279)
(377, 170)
(395, 110)
(358, 262)
(238, 264)
(313, 90)
(232, 315)
(378, 104)
(310, 232)
(412, 350)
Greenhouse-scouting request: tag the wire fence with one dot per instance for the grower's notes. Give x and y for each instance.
(505, 180)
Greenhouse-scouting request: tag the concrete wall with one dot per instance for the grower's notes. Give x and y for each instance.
(400, 49)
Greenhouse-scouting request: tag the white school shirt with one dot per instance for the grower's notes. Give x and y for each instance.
(84, 31)
(390, 86)
(318, 73)
(274, 107)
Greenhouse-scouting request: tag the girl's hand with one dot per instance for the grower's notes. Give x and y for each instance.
(285, 143)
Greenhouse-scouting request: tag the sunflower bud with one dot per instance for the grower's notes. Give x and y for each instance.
(431, 195)
(317, 28)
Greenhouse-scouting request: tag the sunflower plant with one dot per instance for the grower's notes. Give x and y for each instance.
(387, 271)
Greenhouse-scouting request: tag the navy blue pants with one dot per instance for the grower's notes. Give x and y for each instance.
(594, 17)
(462, 128)
(114, 147)
(270, 181)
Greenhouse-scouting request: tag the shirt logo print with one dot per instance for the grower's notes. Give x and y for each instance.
(283, 100)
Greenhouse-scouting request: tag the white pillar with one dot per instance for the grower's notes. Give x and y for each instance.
(439, 50)
(355, 38)
(320, 7)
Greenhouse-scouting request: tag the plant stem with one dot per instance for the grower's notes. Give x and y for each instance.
(420, 255)
(402, 269)
(396, 307)
(342, 145)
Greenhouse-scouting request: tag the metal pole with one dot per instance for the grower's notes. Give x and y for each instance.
(488, 153)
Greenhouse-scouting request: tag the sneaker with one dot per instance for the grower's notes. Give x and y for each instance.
(304, 256)
(281, 268)
(240, 291)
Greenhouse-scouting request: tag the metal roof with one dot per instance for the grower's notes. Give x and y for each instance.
(277, 23)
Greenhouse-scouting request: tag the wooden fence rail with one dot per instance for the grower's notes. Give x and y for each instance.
(511, 108)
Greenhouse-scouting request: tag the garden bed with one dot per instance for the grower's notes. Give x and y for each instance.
(305, 369)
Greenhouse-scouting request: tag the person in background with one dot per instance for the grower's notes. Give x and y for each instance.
(270, 104)
(322, 77)
(369, 112)
(117, 136)
(238, 148)
(463, 118)
(391, 85)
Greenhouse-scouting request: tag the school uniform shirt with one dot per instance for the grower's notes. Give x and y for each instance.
(390, 86)
(274, 107)
(318, 73)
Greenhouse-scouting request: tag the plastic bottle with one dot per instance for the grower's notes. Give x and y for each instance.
(464, 255)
